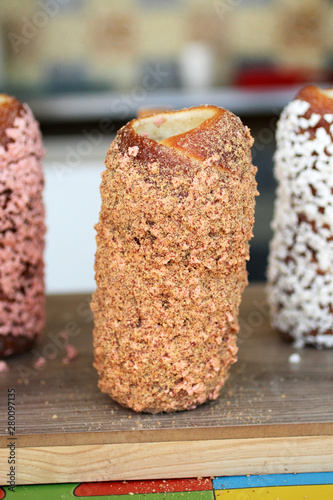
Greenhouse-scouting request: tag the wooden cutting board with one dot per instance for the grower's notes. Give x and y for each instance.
(273, 416)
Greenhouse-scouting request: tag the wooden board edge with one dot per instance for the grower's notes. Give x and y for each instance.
(165, 435)
(126, 461)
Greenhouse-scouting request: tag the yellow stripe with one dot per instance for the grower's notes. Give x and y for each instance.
(307, 492)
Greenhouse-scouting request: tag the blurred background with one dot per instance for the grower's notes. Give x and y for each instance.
(86, 67)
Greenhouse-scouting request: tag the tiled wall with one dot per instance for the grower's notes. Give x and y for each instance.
(79, 44)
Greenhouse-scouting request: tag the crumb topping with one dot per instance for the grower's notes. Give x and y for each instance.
(172, 241)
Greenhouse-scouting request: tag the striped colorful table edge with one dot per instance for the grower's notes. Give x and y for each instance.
(310, 486)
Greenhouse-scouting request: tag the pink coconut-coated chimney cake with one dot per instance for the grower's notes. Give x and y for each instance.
(22, 228)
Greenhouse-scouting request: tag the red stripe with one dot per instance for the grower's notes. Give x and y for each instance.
(153, 486)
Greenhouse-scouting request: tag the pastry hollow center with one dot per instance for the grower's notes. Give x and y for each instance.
(164, 125)
(327, 92)
(3, 99)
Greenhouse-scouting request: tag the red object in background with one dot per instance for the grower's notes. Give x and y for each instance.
(152, 486)
(268, 76)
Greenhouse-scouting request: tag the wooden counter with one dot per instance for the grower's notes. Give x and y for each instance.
(272, 416)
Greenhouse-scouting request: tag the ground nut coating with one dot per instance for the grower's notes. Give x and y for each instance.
(172, 244)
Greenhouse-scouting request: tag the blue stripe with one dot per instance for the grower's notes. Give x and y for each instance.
(232, 482)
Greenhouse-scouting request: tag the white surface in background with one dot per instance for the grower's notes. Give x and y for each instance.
(72, 201)
(121, 105)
